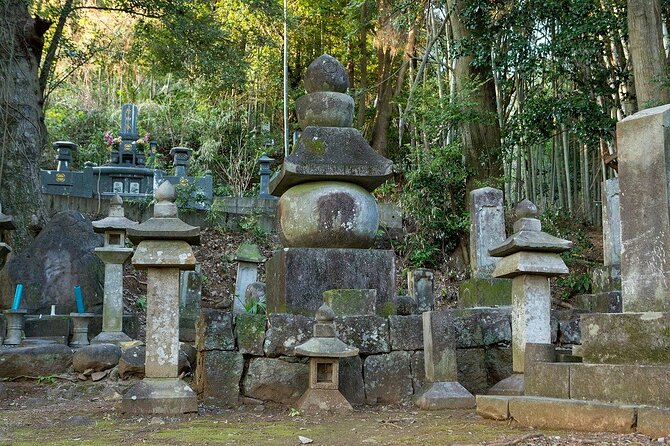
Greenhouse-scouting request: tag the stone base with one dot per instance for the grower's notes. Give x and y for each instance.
(609, 302)
(111, 337)
(297, 277)
(510, 386)
(315, 400)
(477, 292)
(444, 395)
(553, 413)
(626, 338)
(160, 396)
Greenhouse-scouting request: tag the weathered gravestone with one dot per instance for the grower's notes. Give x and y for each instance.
(487, 229)
(60, 257)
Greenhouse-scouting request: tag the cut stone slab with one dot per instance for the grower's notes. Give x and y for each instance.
(46, 326)
(590, 416)
(420, 283)
(370, 334)
(250, 333)
(327, 269)
(472, 374)
(214, 330)
(218, 377)
(132, 361)
(332, 154)
(41, 360)
(97, 357)
(653, 421)
(418, 367)
(548, 379)
(484, 292)
(621, 384)
(492, 407)
(160, 396)
(275, 380)
(406, 332)
(626, 338)
(605, 279)
(606, 302)
(498, 362)
(351, 302)
(444, 395)
(510, 386)
(439, 345)
(388, 378)
(285, 332)
(611, 222)
(190, 296)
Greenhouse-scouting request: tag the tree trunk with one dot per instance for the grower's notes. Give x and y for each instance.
(481, 140)
(647, 52)
(22, 129)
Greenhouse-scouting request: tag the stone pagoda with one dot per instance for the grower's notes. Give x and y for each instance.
(163, 249)
(327, 216)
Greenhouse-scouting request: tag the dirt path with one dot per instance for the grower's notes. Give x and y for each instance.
(66, 413)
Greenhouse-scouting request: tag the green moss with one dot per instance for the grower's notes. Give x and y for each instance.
(388, 309)
(484, 293)
(250, 330)
(314, 145)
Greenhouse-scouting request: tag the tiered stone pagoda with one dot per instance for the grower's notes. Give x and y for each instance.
(327, 216)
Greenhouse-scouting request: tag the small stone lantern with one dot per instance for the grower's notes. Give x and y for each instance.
(114, 253)
(163, 249)
(529, 257)
(180, 160)
(324, 350)
(64, 155)
(265, 162)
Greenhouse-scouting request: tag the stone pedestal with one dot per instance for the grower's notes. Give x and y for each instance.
(299, 276)
(15, 322)
(112, 309)
(442, 390)
(80, 329)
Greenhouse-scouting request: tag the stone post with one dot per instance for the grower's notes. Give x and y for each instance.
(80, 323)
(114, 253)
(15, 322)
(442, 389)
(190, 295)
(163, 250)
(644, 178)
(421, 288)
(487, 229)
(265, 162)
(607, 278)
(530, 258)
(248, 258)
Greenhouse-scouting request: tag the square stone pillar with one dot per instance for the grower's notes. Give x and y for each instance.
(644, 162)
(487, 229)
(531, 315)
(162, 327)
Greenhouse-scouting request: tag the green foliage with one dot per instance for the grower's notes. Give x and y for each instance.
(47, 379)
(574, 284)
(255, 307)
(141, 303)
(251, 225)
(433, 198)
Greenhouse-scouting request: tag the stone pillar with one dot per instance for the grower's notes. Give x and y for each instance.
(114, 253)
(530, 257)
(607, 278)
(421, 288)
(442, 389)
(163, 250)
(487, 229)
(190, 295)
(644, 166)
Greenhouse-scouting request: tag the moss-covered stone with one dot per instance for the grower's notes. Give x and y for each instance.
(218, 376)
(484, 293)
(627, 338)
(250, 333)
(351, 302)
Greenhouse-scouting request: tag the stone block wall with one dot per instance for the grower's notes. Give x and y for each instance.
(251, 357)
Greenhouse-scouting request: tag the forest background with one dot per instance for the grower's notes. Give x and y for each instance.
(522, 95)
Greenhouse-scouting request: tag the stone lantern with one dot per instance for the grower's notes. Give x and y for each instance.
(163, 249)
(529, 257)
(324, 351)
(265, 162)
(114, 253)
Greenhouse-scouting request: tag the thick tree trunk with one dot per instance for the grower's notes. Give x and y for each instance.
(22, 129)
(481, 139)
(647, 52)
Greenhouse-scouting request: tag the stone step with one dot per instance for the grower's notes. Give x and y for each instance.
(605, 302)
(608, 383)
(590, 416)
